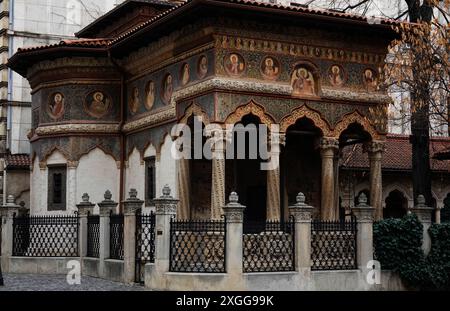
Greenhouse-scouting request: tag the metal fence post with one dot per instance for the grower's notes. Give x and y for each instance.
(105, 208)
(302, 217)
(165, 210)
(364, 241)
(132, 206)
(424, 212)
(8, 211)
(234, 216)
(85, 208)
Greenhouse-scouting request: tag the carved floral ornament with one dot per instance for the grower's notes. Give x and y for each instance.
(195, 110)
(303, 112)
(250, 108)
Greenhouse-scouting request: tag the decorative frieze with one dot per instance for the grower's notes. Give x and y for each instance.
(97, 128)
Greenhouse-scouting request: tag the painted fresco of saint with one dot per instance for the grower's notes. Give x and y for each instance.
(56, 106)
(235, 65)
(97, 104)
(150, 95)
(302, 82)
(370, 79)
(167, 89)
(185, 74)
(336, 75)
(202, 67)
(270, 68)
(134, 101)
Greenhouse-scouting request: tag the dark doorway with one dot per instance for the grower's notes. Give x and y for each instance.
(396, 205)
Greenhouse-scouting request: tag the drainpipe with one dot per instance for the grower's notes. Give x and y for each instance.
(122, 135)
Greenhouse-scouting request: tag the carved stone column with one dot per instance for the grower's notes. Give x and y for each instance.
(131, 207)
(106, 207)
(273, 182)
(328, 147)
(375, 150)
(218, 180)
(7, 212)
(72, 184)
(423, 212)
(85, 208)
(364, 240)
(234, 215)
(302, 215)
(184, 189)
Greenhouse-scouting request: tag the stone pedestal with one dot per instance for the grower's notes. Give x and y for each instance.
(302, 217)
(7, 212)
(106, 207)
(132, 206)
(423, 212)
(234, 215)
(364, 240)
(375, 150)
(166, 209)
(85, 208)
(328, 147)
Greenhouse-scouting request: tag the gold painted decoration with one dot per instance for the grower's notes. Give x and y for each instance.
(97, 104)
(234, 64)
(303, 82)
(185, 74)
(134, 102)
(167, 88)
(336, 75)
(202, 67)
(55, 107)
(270, 68)
(149, 95)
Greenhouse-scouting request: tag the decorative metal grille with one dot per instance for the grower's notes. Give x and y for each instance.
(45, 236)
(145, 243)
(197, 246)
(116, 237)
(333, 245)
(269, 247)
(93, 236)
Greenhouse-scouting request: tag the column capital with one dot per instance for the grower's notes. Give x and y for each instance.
(10, 208)
(234, 211)
(85, 207)
(328, 144)
(422, 211)
(375, 146)
(107, 205)
(132, 205)
(301, 211)
(363, 212)
(166, 204)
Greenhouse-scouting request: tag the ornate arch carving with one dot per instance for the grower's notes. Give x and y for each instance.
(399, 187)
(53, 150)
(250, 108)
(305, 112)
(355, 117)
(194, 110)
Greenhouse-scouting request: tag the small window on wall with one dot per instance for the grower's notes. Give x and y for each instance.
(150, 181)
(57, 188)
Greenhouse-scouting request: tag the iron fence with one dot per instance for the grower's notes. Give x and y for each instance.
(116, 236)
(269, 246)
(333, 245)
(145, 243)
(197, 246)
(45, 236)
(93, 236)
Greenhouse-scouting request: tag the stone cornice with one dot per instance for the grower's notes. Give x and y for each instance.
(77, 128)
(167, 114)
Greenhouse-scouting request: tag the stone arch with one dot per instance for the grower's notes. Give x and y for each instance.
(99, 146)
(305, 112)
(355, 117)
(52, 151)
(250, 108)
(194, 110)
(401, 188)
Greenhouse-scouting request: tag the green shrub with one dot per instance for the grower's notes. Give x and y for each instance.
(397, 244)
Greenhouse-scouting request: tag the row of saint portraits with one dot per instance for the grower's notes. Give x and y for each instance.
(303, 82)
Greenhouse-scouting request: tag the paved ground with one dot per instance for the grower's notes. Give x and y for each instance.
(32, 282)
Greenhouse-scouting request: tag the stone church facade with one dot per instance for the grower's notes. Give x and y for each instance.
(104, 105)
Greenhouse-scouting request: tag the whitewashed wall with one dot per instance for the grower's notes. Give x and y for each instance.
(167, 169)
(135, 175)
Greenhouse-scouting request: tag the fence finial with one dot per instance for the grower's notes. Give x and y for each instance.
(166, 191)
(421, 200)
(362, 199)
(301, 199)
(133, 194)
(234, 198)
(85, 198)
(10, 200)
(108, 195)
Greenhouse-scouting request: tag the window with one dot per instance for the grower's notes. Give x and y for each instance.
(57, 188)
(150, 181)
